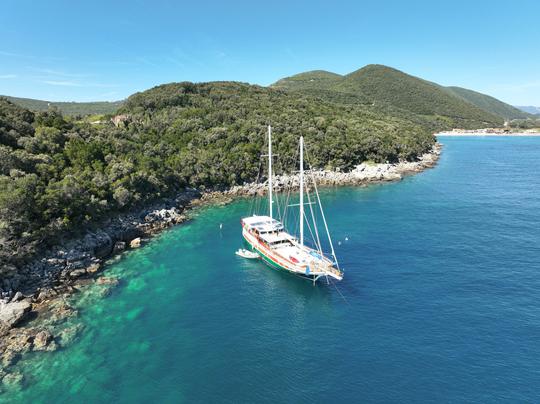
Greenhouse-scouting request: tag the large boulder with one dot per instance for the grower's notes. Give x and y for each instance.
(42, 340)
(12, 313)
(135, 243)
(18, 296)
(77, 273)
(127, 233)
(119, 246)
(93, 268)
(104, 246)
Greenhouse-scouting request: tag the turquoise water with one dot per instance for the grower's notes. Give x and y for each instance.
(442, 294)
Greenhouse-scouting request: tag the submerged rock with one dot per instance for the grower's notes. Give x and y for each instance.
(62, 310)
(9, 358)
(18, 342)
(68, 334)
(42, 340)
(13, 380)
(104, 280)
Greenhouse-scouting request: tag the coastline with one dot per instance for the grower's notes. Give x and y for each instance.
(34, 307)
(485, 133)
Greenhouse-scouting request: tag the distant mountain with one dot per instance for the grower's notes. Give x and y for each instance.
(489, 103)
(68, 108)
(529, 109)
(401, 94)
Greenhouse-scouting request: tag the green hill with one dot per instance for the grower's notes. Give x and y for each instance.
(68, 108)
(489, 103)
(398, 93)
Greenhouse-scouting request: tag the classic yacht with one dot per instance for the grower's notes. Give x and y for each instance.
(267, 236)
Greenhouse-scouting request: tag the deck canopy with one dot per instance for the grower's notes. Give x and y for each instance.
(263, 224)
(275, 237)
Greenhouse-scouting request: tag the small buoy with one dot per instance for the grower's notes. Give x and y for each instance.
(346, 238)
(339, 242)
(221, 226)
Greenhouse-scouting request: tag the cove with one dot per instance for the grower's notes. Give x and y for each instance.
(440, 301)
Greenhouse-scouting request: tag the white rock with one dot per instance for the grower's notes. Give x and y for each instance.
(135, 243)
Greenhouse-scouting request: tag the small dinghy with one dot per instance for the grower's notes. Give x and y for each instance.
(242, 252)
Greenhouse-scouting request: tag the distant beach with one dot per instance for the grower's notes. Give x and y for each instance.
(489, 132)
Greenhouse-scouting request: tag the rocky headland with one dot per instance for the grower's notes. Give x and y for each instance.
(35, 297)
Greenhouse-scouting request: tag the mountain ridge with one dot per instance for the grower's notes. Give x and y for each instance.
(530, 109)
(67, 107)
(379, 84)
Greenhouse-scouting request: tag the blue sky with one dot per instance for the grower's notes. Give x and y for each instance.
(106, 50)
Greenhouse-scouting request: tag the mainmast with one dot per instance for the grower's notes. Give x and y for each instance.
(302, 190)
(270, 170)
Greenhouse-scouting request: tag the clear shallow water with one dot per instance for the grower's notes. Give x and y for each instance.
(442, 284)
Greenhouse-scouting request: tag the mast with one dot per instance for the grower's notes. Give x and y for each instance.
(302, 190)
(270, 170)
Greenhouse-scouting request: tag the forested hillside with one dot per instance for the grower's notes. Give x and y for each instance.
(316, 79)
(68, 108)
(59, 175)
(396, 93)
(489, 104)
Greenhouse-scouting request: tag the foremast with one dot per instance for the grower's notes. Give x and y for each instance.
(270, 171)
(301, 190)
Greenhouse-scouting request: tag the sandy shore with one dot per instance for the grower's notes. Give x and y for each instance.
(487, 134)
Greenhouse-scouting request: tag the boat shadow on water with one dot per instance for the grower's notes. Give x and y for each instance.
(257, 272)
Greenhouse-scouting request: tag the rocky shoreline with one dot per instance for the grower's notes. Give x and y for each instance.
(34, 298)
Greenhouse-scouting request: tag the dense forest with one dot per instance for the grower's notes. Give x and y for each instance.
(58, 175)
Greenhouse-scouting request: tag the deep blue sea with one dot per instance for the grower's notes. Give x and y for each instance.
(441, 301)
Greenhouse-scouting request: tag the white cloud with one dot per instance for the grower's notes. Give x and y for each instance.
(8, 76)
(69, 83)
(62, 83)
(11, 54)
(58, 73)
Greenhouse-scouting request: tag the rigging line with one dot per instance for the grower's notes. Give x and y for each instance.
(315, 238)
(341, 294)
(289, 189)
(286, 209)
(254, 202)
(280, 195)
(318, 241)
(309, 228)
(324, 219)
(278, 198)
